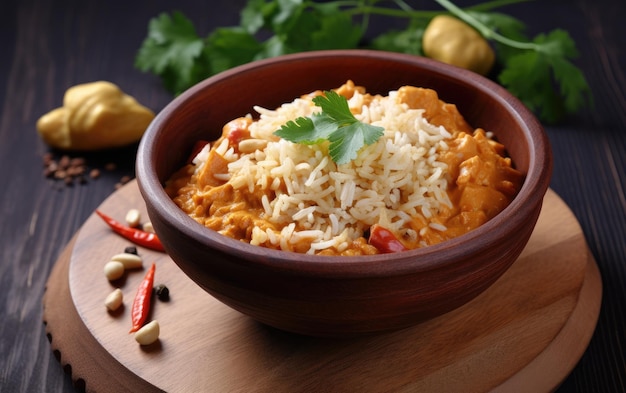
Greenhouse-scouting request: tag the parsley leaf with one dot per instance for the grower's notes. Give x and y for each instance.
(334, 123)
(404, 41)
(228, 47)
(532, 75)
(539, 72)
(171, 50)
(506, 25)
(335, 107)
(531, 69)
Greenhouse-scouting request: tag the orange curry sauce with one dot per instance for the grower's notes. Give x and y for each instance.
(481, 182)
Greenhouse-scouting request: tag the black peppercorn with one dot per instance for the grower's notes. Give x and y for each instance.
(131, 250)
(162, 292)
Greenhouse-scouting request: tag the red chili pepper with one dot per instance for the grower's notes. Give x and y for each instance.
(137, 236)
(141, 304)
(384, 240)
(236, 135)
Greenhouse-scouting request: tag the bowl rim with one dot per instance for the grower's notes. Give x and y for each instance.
(529, 197)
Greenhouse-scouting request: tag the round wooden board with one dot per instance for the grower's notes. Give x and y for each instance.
(525, 333)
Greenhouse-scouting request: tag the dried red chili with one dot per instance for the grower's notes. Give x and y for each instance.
(137, 236)
(141, 304)
(384, 240)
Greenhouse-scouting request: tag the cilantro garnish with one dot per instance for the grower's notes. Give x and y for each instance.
(539, 71)
(336, 124)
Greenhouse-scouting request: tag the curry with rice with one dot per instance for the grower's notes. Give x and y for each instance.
(429, 178)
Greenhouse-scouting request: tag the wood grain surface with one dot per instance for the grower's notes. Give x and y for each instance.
(525, 333)
(50, 45)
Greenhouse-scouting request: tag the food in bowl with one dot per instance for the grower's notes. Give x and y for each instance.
(429, 177)
(341, 296)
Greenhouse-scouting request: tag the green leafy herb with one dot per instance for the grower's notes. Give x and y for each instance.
(336, 124)
(531, 69)
(539, 71)
(171, 50)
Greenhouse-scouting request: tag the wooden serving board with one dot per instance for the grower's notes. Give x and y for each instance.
(524, 334)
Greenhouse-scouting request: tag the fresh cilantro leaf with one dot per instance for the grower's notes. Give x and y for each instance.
(336, 31)
(527, 76)
(301, 130)
(539, 72)
(304, 28)
(505, 25)
(256, 14)
(572, 84)
(346, 142)
(324, 125)
(228, 47)
(170, 50)
(272, 47)
(287, 9)
(532, 76)
(334, 123)
(335, 107)
(403, 41)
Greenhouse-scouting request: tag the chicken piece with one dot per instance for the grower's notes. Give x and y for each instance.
(436, 111)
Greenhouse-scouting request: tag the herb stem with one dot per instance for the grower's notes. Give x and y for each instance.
(489, 5)
(403, 5)
(405, 11)
(398, 13)
(484, 30)
(391, 12)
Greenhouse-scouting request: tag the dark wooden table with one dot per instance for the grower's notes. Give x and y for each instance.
(47, 46)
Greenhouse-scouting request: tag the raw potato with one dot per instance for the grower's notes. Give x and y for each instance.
(148, 334)
(114, 300)
(453, 41)
(94, 116)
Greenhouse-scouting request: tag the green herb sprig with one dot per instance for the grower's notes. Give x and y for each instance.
(336, 124)
(539, 71)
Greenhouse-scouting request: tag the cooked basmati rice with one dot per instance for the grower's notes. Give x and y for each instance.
(330, 205)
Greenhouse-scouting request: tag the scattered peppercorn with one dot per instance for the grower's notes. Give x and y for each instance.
(131, 250)
(162, 292)
(122, 182)
(67, 170)
(64, 162)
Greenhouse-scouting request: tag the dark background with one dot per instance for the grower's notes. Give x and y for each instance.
(47, 46)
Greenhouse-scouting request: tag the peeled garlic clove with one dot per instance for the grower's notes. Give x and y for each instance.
(148, 334)
(114, 300)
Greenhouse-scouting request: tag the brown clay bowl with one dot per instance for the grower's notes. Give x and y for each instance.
(341, 296)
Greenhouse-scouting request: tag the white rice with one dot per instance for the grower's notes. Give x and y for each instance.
(389, 182)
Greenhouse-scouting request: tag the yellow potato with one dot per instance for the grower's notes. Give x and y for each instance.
(94, 116)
